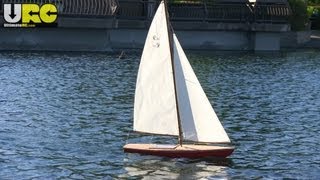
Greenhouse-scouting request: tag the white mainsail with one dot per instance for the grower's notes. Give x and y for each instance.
(155, 106)
(198, 120)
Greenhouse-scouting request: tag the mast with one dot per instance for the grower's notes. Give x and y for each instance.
(170, 37)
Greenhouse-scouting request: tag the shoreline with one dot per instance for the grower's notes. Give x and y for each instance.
(137, 52)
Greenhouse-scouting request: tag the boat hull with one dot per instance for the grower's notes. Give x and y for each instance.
(177, 151)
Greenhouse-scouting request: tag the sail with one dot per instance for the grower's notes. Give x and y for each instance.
(155, 106)
(198, 120)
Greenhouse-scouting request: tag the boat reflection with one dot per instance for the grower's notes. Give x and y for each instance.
(153, 167)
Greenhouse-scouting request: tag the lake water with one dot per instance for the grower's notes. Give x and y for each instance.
(67, 115)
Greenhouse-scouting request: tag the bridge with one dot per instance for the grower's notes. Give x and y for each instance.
(254, 25)
(261, 11)
(243, 11)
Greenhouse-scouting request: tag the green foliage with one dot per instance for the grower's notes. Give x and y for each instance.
(313, 2)
(314, 15)
(299, 19)
(310, 10)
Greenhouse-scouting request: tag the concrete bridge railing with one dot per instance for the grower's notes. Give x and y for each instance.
(239, 11)
(275, 11)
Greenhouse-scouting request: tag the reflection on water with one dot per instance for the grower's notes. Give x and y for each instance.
(157, 167)
(68, 116)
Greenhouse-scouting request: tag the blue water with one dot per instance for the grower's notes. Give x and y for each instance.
(67, 115)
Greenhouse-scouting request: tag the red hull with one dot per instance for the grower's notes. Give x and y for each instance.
(186, 151)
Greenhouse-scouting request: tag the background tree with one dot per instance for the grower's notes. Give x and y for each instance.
(299, 19)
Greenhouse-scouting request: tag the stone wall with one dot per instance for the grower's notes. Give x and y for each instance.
(107, 34)
(293, 39)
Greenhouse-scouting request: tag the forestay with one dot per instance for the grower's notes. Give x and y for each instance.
(155, 106)
(198, 119)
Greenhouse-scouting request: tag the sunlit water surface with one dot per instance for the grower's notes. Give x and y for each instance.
(67, 115)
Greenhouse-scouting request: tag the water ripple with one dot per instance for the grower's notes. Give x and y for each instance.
(68, 116)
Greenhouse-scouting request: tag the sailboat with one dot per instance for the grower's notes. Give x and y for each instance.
(169, 100)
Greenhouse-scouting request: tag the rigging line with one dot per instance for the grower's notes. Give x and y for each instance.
(128, 134)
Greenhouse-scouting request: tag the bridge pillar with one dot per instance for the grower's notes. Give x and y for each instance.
(267, 41)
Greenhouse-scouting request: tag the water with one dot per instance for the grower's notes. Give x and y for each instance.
(67, 115)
